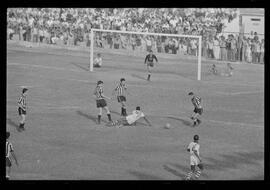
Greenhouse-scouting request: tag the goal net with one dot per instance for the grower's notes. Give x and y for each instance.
(169, 48)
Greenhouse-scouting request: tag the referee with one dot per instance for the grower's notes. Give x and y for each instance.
(149, 61)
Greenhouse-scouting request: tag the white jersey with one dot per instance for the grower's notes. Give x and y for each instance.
(136, 114)
(98, 61)
(192, 147)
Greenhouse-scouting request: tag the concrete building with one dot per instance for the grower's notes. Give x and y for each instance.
(248, 21)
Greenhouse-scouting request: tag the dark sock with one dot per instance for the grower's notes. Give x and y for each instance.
(124, 112)
(148, 78)
(109, 117)
(99, 117)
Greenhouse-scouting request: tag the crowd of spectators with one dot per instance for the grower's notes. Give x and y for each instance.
(72, 26)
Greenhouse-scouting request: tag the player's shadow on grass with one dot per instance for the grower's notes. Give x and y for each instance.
(187, 169)
(12, 123)
(185, 122)
(173, 171)
(81, 66)
(138, 76)
(115, 112)
(93, 118)
(233, 161)
(144, 176)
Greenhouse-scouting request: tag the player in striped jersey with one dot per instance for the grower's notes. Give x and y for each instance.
(121, 98)
(101, 102)
(22, 108)
(195, 159)
(196, 101)
(149, 61)
(9, 153)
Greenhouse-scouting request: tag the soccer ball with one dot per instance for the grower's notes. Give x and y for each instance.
(167, 126)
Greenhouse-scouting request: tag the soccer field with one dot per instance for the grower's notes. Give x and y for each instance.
(63, 142)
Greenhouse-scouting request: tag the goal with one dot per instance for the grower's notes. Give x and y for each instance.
(136, 42)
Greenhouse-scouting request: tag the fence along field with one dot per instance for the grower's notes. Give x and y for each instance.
(62, 135)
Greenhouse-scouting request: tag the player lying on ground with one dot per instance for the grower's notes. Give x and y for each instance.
(131, 119)
(9, 153)
(228, 71)
(195, 159)
(213, 70)
(196, 101)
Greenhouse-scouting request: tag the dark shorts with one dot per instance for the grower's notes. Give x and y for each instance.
(198, 110)
(21, 111)
(97, 66)
(121, 98)
(151, 64)
(101, 103)
(8, 162)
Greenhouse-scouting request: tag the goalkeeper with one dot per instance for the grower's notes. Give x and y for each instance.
(149, 61)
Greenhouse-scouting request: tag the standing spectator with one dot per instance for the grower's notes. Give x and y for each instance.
(133, 42)
(248, 51)
(239, 48)
(252, 44)
(244, 49)
(223, 51)
(110, 40)
(228, 48)
(210, 45)
(233, 48)
(21, 32)
(193, 47)
(41, 34)
(148, 44)
(116, 42)
(216, 48)
(204, 47)
(262, 51)
(257, 49)
(35, 33)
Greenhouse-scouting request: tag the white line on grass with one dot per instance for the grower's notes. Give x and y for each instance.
(50, 107)
(217, 121)
(44, 67)
(238, 93)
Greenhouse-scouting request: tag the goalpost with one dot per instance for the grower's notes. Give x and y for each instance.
(93, 31)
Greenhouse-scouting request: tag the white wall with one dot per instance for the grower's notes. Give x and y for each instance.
(255, 26)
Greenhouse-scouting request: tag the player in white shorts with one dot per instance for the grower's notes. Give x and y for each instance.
(195, 160)
(132, 118)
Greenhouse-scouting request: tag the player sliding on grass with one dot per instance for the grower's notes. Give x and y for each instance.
(131, 119)
(101, 102)
(149, 61)
(195, 159)
(22, 108)
(196, 101)
(213, 70)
